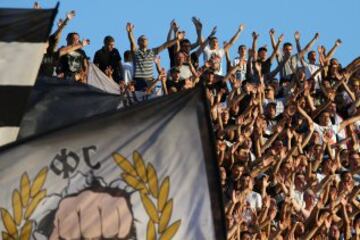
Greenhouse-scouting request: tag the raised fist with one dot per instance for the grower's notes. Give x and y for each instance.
(241, 27)
(338, 42)
(92, 215)
(129, 27)
(70, 15)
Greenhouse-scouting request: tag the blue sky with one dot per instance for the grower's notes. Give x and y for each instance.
(98, 18)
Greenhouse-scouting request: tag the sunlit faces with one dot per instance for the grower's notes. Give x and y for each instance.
(110, 46)
(143, 42)
(214, 43)
(175, 74)
(185, 46)
(216, 62)
(73, 38)
(225, 116)
(300, 182)
(312, 57)
(325, 119)
(262, 54)
(237, 171)
(334, 232)
(287, 49)
(310, 198)
(180, 58)
(300, 74)
(269, 92)
(242, 50)
(271, 110)
(247, 182)
(334, 65)
(354, 160)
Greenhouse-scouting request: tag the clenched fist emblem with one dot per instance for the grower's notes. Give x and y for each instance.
(92, 215)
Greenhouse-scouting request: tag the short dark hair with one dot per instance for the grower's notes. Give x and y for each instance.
(182, 42)
(287, 44)
(108, 39)
(241, 46)
(262, 49)
(127, 55)
(311, 52)
(70, 35)
(212, 38)
(246, 174)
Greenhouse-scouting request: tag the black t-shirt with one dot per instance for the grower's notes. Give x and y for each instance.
(266, 66)
(73, 62)
(172, 53)
(179, 85)
(49, 63)
(104, 58)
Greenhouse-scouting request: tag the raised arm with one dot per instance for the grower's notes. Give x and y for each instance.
(70, 15)
(349, 121)
(228, 60)
(173, 29)
(309, 45)
(305, 115)
(206, 42)
(235, 37)
(65, 50)
(255, 37)
(273, 43)
(179, 37)
(198, 29)
(130, 30)
(272, 38)
(353, 67)
(276, 49)
(332, 50)
(322, 57)
(297, 40)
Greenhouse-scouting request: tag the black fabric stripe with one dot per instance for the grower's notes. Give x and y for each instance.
(13, 100)
(26, 25)
(211, 164)
(66, 102)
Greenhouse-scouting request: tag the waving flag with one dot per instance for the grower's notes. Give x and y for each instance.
(23, 36)
(145, 172)
(55, 103)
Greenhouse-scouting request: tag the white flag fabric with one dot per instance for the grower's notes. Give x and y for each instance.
(98, 79)
(145, 172)
(23, 36)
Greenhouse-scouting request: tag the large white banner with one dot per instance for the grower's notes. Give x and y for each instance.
(142, 173)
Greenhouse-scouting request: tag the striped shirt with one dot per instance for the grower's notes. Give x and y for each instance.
(144, 63)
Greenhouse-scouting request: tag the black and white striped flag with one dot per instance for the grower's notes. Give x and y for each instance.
(23, 36)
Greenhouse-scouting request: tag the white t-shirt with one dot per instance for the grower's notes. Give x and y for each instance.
(185, 72)
(241, 73)
(310, 69)
(208, 53)
(330, 130)
(128, 72)
(298, 197)
(254, 199)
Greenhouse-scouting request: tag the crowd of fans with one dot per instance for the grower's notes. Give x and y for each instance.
(286, 136)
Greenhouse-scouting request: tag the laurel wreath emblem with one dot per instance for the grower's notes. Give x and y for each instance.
(145, 180)
(18, 225)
